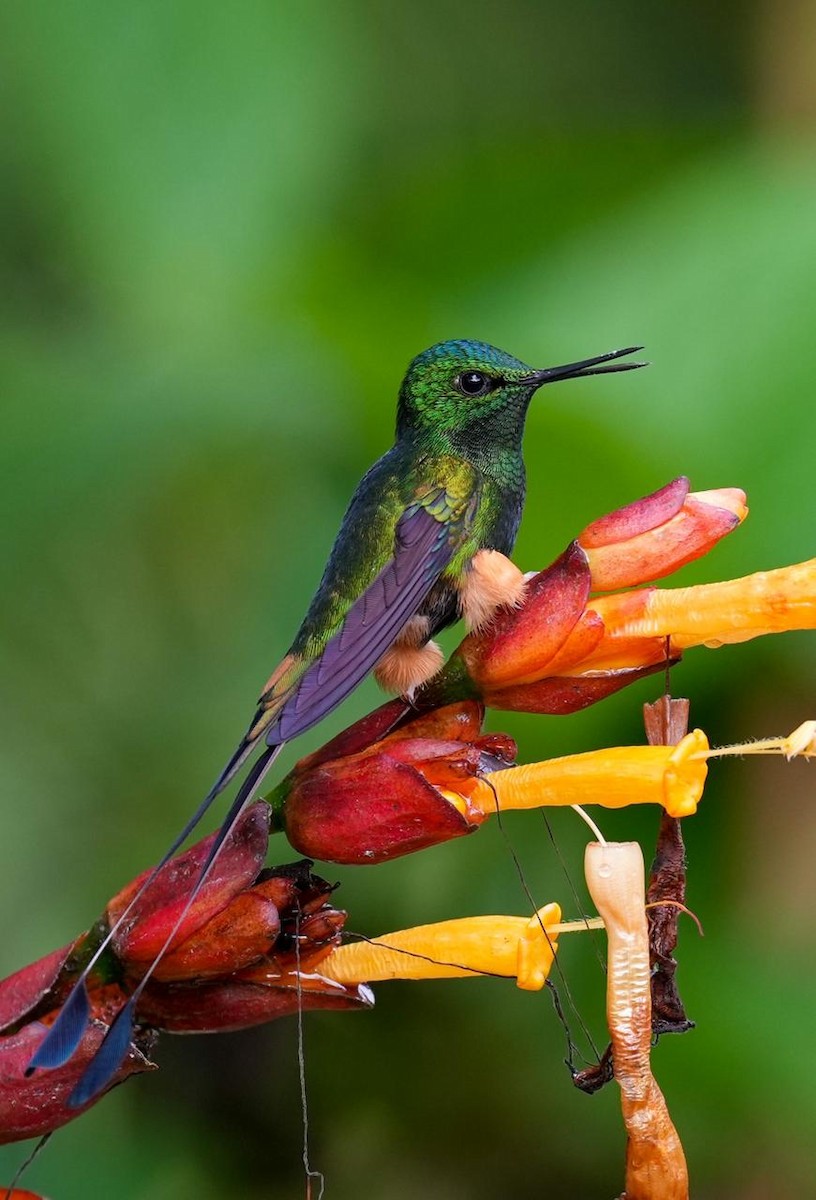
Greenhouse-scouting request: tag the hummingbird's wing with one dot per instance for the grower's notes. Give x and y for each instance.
(428, 535)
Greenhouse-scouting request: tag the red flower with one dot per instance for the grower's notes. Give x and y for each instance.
(542, 657)
(373, 793)
(245, 954)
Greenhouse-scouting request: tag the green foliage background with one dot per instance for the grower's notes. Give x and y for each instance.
(224, 230)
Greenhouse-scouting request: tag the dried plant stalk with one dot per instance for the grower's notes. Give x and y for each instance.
(666, 724)
(655, 1162)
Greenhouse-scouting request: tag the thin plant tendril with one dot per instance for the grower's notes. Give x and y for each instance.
(304, 1104)
(588, 922)
(556, 965)
(26, 1163)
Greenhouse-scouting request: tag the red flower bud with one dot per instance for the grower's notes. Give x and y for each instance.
(383, 800)
(659, 534)
(148, 925)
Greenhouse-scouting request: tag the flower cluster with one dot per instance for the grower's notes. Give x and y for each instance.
(245, 954)
(258, 944)
(562, 650)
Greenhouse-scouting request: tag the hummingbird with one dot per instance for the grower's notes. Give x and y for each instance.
(425, 541)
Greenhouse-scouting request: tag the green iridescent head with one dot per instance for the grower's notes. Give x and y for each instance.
(455, 384)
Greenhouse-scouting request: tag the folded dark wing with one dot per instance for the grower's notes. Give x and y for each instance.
(427, 536)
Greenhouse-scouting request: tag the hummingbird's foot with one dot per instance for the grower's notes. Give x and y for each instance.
(411, 661)
(492, 582)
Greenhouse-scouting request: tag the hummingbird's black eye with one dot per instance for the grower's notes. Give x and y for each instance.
(474, 383)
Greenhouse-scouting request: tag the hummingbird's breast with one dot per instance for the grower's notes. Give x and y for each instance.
(495, 527)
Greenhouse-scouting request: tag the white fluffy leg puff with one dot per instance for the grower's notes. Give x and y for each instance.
(492, 582)
(411, 661)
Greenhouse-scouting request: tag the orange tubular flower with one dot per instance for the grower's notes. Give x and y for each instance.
(672, 776)
(398, 781)
(566, 648)
(522, 948)
(638, 624)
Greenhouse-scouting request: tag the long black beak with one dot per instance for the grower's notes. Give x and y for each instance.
(590, 366)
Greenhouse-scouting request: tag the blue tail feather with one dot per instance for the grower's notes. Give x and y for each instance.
(66, 1033)
(105, 1063)
(110, 1055)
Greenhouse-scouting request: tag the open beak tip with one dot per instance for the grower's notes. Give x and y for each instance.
(603, 364)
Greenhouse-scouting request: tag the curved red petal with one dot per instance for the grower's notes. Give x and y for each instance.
(638, 517)
(522, 641)
(566, 694)
(148, 925)
(222, 1007)
(359, 736)
(688, 535)
(21, 992)
(367, 809)
(235, 937)
(30, 1107)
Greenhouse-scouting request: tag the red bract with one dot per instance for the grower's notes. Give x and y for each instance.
(24, 991)
(192, 995)
(367, 798)
(30, 1107)
(246, 918)
(246, 955)
(144, 932)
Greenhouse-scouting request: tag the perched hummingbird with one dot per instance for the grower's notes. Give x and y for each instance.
(423, 542)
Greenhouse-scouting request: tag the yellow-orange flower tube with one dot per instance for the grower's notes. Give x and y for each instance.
(711, 614)
(668, 775)
(522, 948)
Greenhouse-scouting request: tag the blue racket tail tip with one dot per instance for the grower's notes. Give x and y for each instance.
(62, 1039)
(108, 1058)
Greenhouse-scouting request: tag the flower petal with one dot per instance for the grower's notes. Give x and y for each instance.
(148, 925)
(235, 937)
(638, 517)
(362, 734)
(521, 642)
(23, 991)
(568, 693)
(239, 1004)
(703, 519)
(30, 1107)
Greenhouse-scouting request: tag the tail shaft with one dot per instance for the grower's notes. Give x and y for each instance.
(108, 1058)
(66, 1033)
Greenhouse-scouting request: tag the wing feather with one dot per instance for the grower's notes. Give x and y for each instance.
(427, 537)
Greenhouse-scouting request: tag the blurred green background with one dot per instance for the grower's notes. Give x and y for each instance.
(224, 230)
